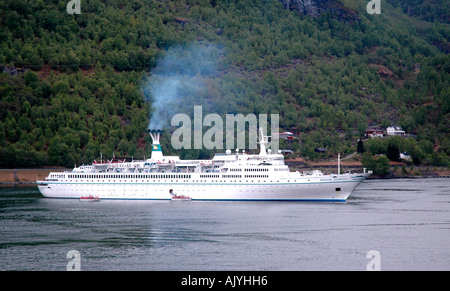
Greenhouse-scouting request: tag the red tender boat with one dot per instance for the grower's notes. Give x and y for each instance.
(90, 198)
(176, 197)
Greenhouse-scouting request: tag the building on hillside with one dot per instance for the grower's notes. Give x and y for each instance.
(375, 132)
(395, 130)
(406, 157)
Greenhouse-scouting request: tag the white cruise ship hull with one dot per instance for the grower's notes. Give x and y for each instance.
(305, 188)
(240, 176)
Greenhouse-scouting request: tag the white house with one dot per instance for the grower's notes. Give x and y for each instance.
(395, 130)
(405, 156)
(374, 132)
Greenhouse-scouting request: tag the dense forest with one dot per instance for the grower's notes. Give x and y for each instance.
(75, 86)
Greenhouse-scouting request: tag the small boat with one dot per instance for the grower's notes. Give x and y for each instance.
(165, 162)
(176, 197)
(181, 198)
(90, 198)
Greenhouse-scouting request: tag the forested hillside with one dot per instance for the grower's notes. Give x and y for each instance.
(77, 86)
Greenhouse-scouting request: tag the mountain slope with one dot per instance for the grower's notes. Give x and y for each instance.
(329, 74)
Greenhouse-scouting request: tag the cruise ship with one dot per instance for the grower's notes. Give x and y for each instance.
(233, 175)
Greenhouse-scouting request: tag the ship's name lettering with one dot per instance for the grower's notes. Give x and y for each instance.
(334, 179)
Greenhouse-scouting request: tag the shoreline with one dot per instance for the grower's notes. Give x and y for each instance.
(28, 177)
(25, 177)
(396, 171)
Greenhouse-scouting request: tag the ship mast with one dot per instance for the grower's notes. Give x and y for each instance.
(263, 141)
(339, 163)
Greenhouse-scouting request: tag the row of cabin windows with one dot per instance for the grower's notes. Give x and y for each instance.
(256, 176)
(148, 176)
(125, 176)
(99, 176)
(209, 176)
(231, 176)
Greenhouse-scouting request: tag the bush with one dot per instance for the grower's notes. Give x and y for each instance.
(379, 166)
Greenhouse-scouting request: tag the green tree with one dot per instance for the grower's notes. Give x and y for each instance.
(360, 146)
(380, 165)
(393, 152)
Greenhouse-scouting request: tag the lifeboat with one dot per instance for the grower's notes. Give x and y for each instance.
(165, 163)
(89, 198)
(176, 197)
(181, 198)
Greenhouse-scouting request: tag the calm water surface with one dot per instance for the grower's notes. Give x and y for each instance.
(406, 221)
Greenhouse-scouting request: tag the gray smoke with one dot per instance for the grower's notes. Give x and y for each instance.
(177, 80)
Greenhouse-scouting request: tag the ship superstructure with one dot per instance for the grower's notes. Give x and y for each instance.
(229, 176)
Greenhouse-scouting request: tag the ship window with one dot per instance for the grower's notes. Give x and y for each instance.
(338, 189)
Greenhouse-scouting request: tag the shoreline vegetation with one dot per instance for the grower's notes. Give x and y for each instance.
(28, 177)
(25, 177)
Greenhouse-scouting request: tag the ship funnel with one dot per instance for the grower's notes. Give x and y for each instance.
(156, 146)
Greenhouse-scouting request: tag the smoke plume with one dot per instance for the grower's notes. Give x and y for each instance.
(175, 84)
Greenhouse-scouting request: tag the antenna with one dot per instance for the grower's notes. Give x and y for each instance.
(263, 141)
(339, 163)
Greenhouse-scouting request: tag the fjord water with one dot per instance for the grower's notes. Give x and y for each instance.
(407, 221)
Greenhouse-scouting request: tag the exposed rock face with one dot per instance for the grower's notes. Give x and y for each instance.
(316, 7)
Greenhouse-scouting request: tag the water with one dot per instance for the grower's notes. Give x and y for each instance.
(406, 221)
